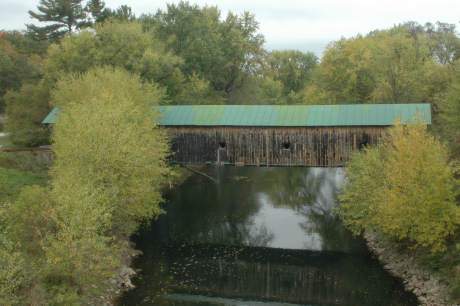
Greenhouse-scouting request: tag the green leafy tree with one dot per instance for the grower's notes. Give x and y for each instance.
(450, 113)
(443, 41)
(16, 66)
(293, 68)
(26, 110)
(219, 51)
(122, 44)
(404, 188)
(344, 74)
(23, 225)
(24, 43)
(400, 69)
(107, 129)
(109, 100)
(65, 15)
(13, 270)
(286, 75)
(401, 65)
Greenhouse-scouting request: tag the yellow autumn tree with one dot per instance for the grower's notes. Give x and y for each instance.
(404, 188)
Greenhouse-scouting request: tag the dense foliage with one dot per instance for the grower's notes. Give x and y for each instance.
(404, 188)
(400, 65)
(450, 113)
(26, 109)
(108, 170)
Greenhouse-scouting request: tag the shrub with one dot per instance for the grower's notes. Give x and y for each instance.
(404, 188)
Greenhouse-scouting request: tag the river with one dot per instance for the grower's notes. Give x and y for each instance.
(261, 236)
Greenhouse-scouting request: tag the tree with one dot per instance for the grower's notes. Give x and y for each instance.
(24, 43)
(293, 68)
(13, 270)
(398, 65)
(450, 113)
(66, 15)
(123, 44)
(16, 65)
(220, 52)
(403, 188)
(286, 75)
(107, 128)
(444, 42)
(96, 9)
(344, 75)
(123, 13)
(26, 110)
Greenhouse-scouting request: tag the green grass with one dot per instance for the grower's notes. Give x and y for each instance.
(13, 180)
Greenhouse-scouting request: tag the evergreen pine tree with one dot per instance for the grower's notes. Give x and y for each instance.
(66, 15)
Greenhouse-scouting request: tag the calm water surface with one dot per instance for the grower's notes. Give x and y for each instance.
(261, 236)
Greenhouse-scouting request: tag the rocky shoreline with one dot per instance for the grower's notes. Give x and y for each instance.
(122, 281)
(429, 289)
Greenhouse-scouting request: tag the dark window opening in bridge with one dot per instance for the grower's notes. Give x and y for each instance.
(222, 144)
(286, 145)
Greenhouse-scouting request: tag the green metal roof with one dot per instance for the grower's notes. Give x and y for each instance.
(52, 116)
(285, 115)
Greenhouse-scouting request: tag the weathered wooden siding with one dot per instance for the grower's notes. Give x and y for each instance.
(280, 146)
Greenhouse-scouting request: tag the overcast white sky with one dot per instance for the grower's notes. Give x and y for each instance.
(307, 25)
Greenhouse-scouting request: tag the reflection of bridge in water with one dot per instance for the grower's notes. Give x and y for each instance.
(293, 276)
(271, 135)
(261, 234)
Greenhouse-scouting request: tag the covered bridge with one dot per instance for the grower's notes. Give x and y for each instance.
(269, 135)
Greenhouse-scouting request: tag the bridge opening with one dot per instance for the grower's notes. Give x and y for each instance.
(286, 145)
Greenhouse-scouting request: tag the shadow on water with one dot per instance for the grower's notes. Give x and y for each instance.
(262, 236)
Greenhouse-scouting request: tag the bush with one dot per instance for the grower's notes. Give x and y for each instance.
(404, 188)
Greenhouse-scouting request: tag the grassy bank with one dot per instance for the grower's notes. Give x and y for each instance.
(12, 181)
(21, 169)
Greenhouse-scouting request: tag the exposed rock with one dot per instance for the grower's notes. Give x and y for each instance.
(427, 287)
(121, 282)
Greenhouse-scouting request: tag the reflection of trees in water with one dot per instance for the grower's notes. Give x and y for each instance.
(201, 211)
(312, 192)
(238, 232)
(261, 237)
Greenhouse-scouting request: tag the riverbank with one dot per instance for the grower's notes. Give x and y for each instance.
(429, 289)
(122, 282)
